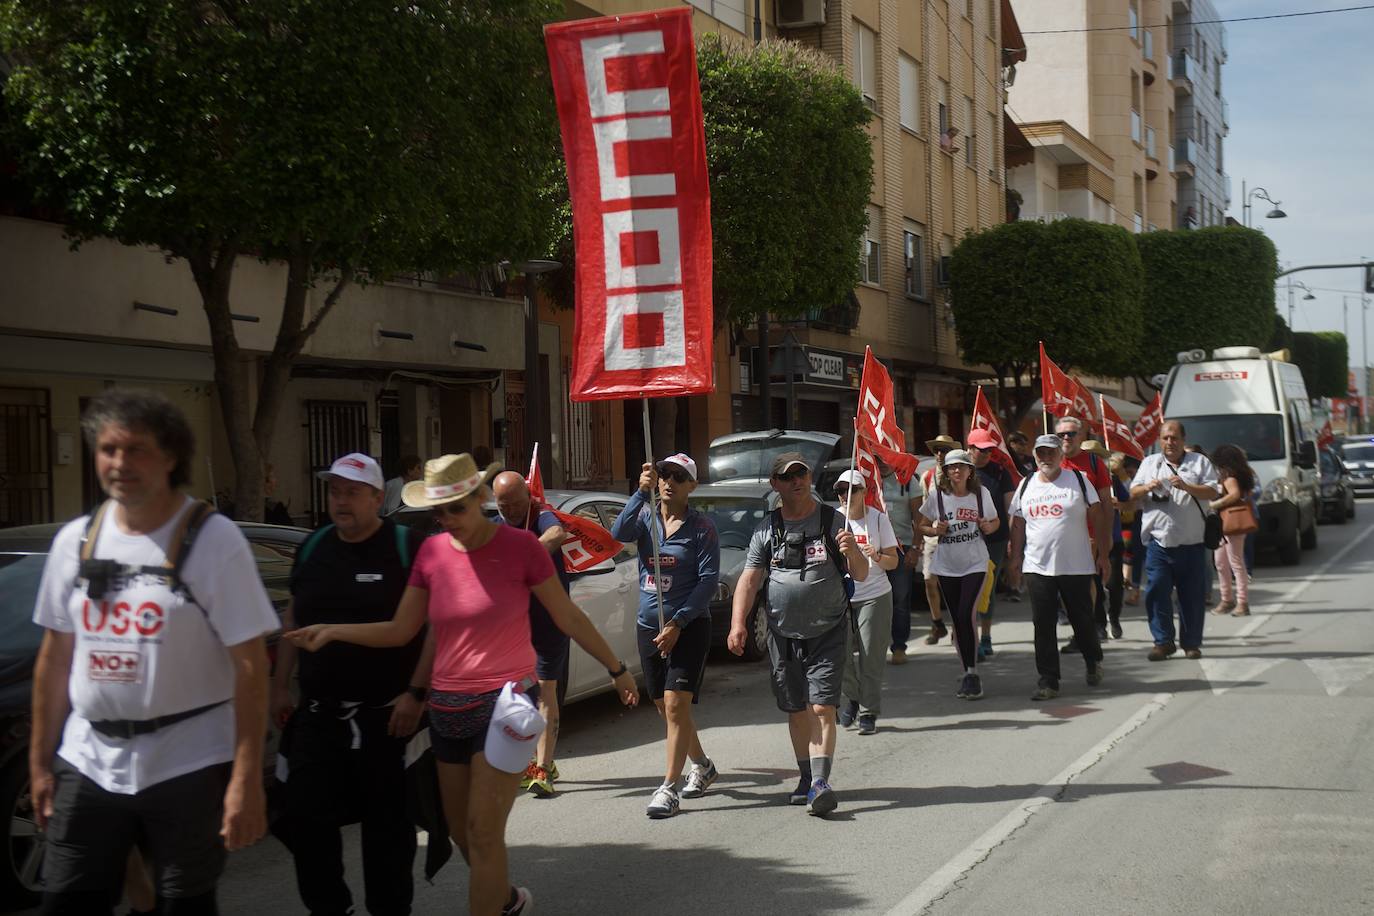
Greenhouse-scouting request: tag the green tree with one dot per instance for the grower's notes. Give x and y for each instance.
(791, 171)
(348, 139)
(1323, 357)
(1074, 284)
(1205, 288)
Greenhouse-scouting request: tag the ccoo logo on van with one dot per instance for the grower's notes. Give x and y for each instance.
(1228, 375)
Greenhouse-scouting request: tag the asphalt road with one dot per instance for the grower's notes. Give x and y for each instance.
(1240, 783)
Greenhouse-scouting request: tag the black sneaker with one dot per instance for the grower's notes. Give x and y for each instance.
(974, 690)
(1070, 647)
(1101, 634)
(868, 725)
(1116, 629)
(847, 713)
(1094, 673)
(1045, 692)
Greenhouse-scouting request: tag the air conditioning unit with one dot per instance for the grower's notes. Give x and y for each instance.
(942, 271)
(793, 14)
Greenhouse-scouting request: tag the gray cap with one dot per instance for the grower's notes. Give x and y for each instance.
(958, 456)
(1049, 440)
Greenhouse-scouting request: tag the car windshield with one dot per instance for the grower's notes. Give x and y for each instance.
(735, 517)
(1260, 435)
(19, 576)
(754, 457)
(1358, 451)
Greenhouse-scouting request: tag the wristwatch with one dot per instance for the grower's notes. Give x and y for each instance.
(419, 693)
(617, 673)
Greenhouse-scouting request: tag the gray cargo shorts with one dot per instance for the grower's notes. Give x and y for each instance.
(808, 672)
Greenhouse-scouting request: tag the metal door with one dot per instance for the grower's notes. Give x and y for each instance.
(333, 428)
(25, 461)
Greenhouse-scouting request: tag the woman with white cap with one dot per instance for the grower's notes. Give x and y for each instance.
(473, 584)
(674, 655)
(871, 606)
(960, 514)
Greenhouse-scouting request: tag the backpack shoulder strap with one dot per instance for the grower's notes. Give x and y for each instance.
(191, 524)
(832, 546)
(403, 545)
(312, 542)
(1021, 490)
(978, 495)
(775, 528)
(1081, 485)
(92, 532)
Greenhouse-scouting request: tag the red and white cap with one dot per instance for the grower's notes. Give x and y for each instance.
(356, 466)
(684, 462)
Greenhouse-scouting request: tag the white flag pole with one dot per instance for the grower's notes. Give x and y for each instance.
(655, 522)
(853, 459)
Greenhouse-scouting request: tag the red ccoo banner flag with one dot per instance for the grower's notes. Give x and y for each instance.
(1117, 434)
(985, 419)
(1057, 387)
(876, 425)
(588, 543)
(629, 106)
(1147, 427)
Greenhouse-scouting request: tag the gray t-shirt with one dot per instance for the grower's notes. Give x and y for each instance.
(809, 600)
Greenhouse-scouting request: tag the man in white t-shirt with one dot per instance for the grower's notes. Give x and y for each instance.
(871, 605)
(1050, 549)
(152, 675)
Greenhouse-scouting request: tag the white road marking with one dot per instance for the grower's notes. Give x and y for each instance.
(1339, 674)
(1223, 673)
(946, 876)
(1258, 620)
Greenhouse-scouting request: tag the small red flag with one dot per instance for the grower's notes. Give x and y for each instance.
(588, 543)
(1147, 427)
(984, 418)
(1117, 434)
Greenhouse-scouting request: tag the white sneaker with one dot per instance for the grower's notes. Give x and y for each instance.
(700, 779)
(523, 905)
(663, 804)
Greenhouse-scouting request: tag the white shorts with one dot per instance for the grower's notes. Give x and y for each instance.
(928, 555)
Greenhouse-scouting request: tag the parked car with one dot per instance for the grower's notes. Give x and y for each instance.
(23, 552)
(892, 490)
(1357, 453)
(1336, 488)
(748, 456)
(737, 509)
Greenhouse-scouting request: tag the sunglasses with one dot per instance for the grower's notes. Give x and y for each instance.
(788, 476)
(457, 507)
(1067, 434)
(673, 473)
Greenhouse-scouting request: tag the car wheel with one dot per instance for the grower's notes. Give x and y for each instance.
(756, 646)
(24, 843)
(1309, 537)
(1290, 550)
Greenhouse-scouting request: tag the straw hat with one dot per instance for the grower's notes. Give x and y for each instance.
(941, 441)
(1098, 449)
(447, 478)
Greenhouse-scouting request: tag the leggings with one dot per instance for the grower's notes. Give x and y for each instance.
(961, 594)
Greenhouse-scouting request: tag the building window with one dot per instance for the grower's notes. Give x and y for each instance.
(968, 9)
(992, 145)
(971, 141)
(1216, 74)
(909, 88)
(944, 107)
(914, 259)
(870, 255)
(866, 64)
(1134, 19)
(1203, 55)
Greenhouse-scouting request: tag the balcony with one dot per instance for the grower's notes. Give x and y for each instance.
(1138, 224)
(1183, 71)
(1150, 144)
(1135, 125)
(1149, 46)
(1226, 188)
(1173, 166)
(1225, 115)
(1185, 156)
(843, 317)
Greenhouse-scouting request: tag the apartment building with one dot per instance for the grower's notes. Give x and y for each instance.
(932, 72)
(1202, 117)
(1097, 102)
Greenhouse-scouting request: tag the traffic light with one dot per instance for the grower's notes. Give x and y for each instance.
(1369, 278)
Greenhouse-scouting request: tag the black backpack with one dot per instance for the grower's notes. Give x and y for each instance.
(98, 573)
(778, 532)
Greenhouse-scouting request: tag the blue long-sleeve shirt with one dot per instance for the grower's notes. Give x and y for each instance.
(690, 561)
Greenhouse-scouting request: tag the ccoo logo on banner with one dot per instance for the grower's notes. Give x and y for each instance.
(629, 106)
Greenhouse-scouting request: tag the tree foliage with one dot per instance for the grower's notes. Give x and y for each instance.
(349, 139)
(1074, 284)
(1323, 357)
(1205, 288)
(791, 170)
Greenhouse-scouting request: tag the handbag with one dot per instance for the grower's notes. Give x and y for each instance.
(1239, 519)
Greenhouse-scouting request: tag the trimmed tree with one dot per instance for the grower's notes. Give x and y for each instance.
(347, 140)
(1074, 284)
(1205, 288)
(1323, 357)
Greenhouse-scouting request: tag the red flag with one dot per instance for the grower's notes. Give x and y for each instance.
(1117, 433)
(588, 543)
(535, 479)
(984, 418)
(1326, 437)
(867, 465)
(629, 106)
(1147, 427)
(1057, 388)
(876, 425)
(1085, 407)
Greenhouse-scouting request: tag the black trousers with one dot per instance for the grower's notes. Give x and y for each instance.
(175, 822)
(1116, 585)
(1045, 594)
(331, 783)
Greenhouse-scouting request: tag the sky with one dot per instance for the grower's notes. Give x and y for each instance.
(1301, 92)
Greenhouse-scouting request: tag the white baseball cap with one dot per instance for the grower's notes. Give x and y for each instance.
(851, 477)
(684, 462)
(514, 729)
(1049, 440)
(355, 466)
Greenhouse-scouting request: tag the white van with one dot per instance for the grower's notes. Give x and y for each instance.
(1258, 402)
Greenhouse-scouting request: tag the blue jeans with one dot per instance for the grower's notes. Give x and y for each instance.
(901, 602)
(1176, 568)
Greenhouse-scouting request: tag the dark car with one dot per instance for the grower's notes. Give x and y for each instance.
(1357, 454)
(23, 551)
(1336, 489)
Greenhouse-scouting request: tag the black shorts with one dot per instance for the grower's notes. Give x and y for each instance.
(458, 722)
(685, 666)
(550, 646)
(175, 822)
(808, 671)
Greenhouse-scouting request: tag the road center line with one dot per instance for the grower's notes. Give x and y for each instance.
(946, 876)
(1258, 620)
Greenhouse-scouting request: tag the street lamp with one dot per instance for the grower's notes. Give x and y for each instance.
(1262, 194)
(1303, 286)
(536, 391)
